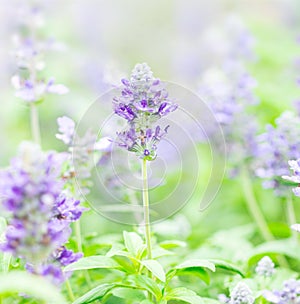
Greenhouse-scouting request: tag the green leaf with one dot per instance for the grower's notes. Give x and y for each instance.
(196, 263)
(184, 294)
(143, 282)
(160, 252)
(93, 262)
(172, 244)
(197, 272)
(155, 268)
(227, 266)
(95, 293)
(129, 294)
(126, 263)
(133, 242)
(26, 283)
(284, 247)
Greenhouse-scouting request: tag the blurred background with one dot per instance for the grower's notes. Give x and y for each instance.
(185, 42)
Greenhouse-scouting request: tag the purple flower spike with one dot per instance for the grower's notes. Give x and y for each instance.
(275, 147)
(143, 101)
(32, 190)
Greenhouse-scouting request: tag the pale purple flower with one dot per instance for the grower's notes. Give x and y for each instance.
(66, 127)
(288, 295)
(32, 191)
(265, 267)
(241, 294)
(275, 147)
(295, 167)
(34, 91)
(296, 227)
(83, 150)
(143, 100)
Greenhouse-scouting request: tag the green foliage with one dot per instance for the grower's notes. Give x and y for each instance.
(17, 282)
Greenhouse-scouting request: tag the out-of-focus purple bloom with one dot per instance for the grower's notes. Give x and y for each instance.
(32, 190)
(275, 147)
(241, 294)
(29, 51)
(82, 151)
(296, 227)
(295, 167)
(142, 101)
(53, 266)
(265, 267)
(229, 91)
(289, 294)
(66, 127)
(223, 298)
(34, 91)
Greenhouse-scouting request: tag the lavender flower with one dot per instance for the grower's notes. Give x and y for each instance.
(230, 91)
(296, 227)
(82, 152)
(295, 167)
(142, 102)
(288, 295)
(66, 127)
(265, 267)
(275, 147)
(29, 57)
(32, 191)
(35, 90)
(241, 294)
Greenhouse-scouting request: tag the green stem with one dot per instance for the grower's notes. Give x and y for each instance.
(290, 213)
(70, 291)
(146, 209)
(253, 207)
(34, 121)
(256, 213)
(80, 249)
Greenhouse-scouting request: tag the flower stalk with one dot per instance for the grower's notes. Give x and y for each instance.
(35, 126)
(146, 209)
(290, 214)
(253, 207)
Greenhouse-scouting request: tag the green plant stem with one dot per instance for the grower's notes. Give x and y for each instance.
(70, 291)
(146, 209)
(256, 213)
(80, 249)
(253, 207)
(34, 121)
(290, 213)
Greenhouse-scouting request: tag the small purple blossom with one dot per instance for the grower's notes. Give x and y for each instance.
(34, 91)
(66, 127)
(143, 100)
(289, 294)
(241, 294)
(295, 167)
(82, 151)
(265, 267)
(275, 147)
(296, 227)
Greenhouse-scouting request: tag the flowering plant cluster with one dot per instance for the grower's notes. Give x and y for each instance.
(221, 255)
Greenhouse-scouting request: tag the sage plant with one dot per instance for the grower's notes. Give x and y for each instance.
(41, 211)
(143, 100)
